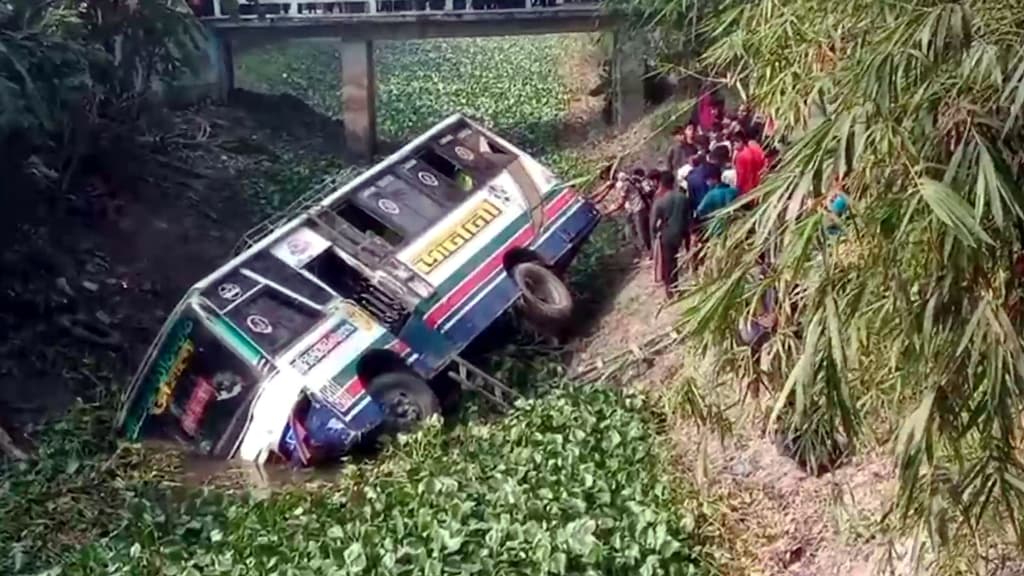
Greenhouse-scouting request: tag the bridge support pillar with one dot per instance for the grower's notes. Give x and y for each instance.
(359, 97)
(627, 77)
(225, 67)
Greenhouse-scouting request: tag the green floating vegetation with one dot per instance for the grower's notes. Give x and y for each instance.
(574, 482)
(514, 85)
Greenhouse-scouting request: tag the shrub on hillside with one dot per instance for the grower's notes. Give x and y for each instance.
(72, 72)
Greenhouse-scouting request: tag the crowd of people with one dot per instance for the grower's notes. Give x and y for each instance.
(672, 209)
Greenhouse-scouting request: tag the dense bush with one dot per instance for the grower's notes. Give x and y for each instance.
(572, 483)
(73, 72)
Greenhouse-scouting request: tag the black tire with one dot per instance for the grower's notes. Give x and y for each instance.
(406, 399)
(546, 302)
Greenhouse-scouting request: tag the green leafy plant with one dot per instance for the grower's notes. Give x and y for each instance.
(72, 74)
(512, 84)
(573, 482)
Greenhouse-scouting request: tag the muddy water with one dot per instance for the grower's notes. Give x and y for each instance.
(198, 471)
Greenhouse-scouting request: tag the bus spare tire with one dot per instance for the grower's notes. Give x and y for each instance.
(546, 300)
(406, 399)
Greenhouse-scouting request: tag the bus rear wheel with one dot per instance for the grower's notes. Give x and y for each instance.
(407, 400)
(546, 302)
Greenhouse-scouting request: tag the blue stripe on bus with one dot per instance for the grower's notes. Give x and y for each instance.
(480, 312)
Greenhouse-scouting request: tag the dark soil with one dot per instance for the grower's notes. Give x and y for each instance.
(90, 276)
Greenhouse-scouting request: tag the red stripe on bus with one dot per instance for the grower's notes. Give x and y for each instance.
(468, 286)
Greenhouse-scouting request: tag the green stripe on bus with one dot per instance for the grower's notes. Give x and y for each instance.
(476, 260)
(238, 340)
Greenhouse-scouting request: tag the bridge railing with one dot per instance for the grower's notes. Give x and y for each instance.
(318, 9)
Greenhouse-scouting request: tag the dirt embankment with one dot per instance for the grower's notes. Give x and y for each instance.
(89, 276)
(777, 520)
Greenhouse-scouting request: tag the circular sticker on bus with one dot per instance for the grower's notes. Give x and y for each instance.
(388, 206)
(259, 324)
(428, 179)
(297, 246)
(229, 291)
(463, 152)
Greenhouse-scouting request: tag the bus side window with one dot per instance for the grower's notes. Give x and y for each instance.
(367, 224)
(273, 320)
(273, 269)
(477, 144)
(400, 206)
(463, 180)
(426, 180)
(332, 270)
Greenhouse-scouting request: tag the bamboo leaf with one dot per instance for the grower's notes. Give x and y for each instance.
(951, 209)
(912, 431)
(801, 376)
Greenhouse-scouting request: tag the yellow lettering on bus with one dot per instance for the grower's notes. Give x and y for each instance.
(170, 381)
(457, 236)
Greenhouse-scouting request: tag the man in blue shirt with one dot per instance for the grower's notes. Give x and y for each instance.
(719, 195)
(696, 180)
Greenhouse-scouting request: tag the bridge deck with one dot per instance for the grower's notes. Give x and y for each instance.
(410, 23)
(213, 12)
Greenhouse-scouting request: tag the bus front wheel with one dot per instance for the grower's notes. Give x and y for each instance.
(406, 399)
(546, 300)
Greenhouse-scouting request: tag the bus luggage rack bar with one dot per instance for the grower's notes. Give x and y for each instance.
(298, 206)
(484, 384)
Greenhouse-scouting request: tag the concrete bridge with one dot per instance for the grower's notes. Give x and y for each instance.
(244, 24)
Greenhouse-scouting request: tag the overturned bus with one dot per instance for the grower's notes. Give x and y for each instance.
(335, 324)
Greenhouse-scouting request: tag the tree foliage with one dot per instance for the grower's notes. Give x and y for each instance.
(908, 324)
(68, 65)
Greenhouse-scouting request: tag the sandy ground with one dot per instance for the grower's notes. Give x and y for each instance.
(779, 520)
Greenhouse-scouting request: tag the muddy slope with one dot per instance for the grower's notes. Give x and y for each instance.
(89, 276)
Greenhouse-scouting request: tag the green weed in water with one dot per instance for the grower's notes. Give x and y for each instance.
(511, 84)
(571, 483)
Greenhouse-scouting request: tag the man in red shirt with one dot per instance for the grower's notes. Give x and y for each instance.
(749, 161)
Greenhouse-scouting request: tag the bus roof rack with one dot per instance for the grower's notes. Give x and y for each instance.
(297, 208)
